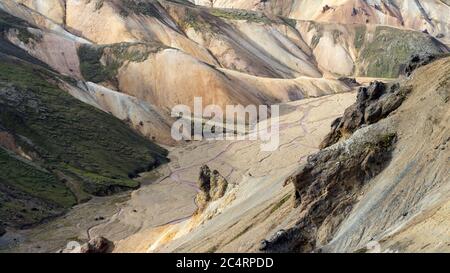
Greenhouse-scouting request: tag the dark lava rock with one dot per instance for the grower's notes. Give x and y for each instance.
(325, 8)
(280, 235)
(212, 186)
(417, 61)
(204, 178)
(327, 186)
(373, 103)
(349, 81)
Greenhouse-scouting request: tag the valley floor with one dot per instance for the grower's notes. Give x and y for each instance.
(155, 217)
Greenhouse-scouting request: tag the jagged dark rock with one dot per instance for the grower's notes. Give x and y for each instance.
(325, 8)
(218, 185)
(326, 187)
(373, 103)
(212, 186)
(98, 245)
(204, 178)
(417, 61)
(279, 236)
(349, 81)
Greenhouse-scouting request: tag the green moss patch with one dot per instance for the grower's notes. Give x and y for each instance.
(245, 15)
(195, 19)
(33, 181)
(101, 63)
(390, 48)
(360, 35)
(8, 22)
(28, 193)
(290, 22)
(139, 7)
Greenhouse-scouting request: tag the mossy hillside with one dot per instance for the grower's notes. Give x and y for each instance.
(33, 180)
(360, 35)
(243, 15)
(289, 21)
(139, 7)
(68, 134)
(199, 20)
(29, 182)
(20, 210)
(101, 63)
(8, 22)
(251, 17)
(214, 20)
(101, 185)
(390, 48)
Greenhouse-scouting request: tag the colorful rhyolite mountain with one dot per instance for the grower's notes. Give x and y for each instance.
(86, 89)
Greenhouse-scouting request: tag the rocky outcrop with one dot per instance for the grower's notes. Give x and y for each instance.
(349, 81)
(327, 187)
(97, 245)
(416, 62)
(357, 149)
(373, 103)
(361, 190)
(212, 186)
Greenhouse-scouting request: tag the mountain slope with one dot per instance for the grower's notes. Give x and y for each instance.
(429, 15)
(76, 146)
(398, 161)
(87, 87)
(341, 198)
